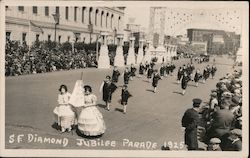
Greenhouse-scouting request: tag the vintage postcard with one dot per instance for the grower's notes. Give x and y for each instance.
(124, 78)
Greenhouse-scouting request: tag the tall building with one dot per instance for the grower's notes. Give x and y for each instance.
(218, 41)
(75, 23)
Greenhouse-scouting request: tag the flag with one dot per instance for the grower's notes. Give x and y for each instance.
(77, 97)
(35, 28)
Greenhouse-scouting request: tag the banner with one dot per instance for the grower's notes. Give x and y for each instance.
(35, 28)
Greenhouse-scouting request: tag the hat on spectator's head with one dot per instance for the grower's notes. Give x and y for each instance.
(237, 85)
(237, 132)
(215, 141)
(196, 102)
(236, 100)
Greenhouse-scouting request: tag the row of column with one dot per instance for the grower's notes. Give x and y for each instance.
(163, 54)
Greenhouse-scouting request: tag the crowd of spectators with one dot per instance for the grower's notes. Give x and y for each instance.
(220, 126)
(44, 57)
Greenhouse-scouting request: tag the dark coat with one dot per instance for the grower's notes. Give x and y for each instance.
(150, 72)
(141, 69)
(125, 95)
(107, 91)
(126, 77)
(162, 69)
(115, 76)
(156, 78)
(168, 68)
(172, 67)
(213, 70)
(197, 77)
(179, 74)
(133, 70)
(190, 121)
(184, 82)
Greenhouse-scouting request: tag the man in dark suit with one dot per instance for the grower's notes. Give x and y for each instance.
(190, 122)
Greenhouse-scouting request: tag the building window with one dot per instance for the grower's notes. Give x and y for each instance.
(96, 14)
(37, 37)
(102, 17)
(107, 15)
(34, 10)
(49, 37)
(68, 38)
(21, 8)
(111, 21)
(75, 14)
(83, 10)
(57, 10)
(24, 37)
(46, 11)
(6, 7)
(59, 39)
(90, 11)
(66, 13)
(8, 36)
(119, 20)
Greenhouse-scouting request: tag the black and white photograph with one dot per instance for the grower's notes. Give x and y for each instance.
(124, 78)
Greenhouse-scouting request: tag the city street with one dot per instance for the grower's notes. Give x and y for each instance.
(151, 118)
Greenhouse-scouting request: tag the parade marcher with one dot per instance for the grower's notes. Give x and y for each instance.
(184, 81)
(115, 75)
(179, 74)
(64, 112)
(213, 70)
(152, 64)
(90, 121)
(156, 78)
(197, 77)
(147, 65)
(141, 69)
(205, 74)
(126, 75)
(172, 67)
(214, 144)
(162, 69)
(124, 98)
(190, 121)
(107, 89)
(168, 67)
(149, 74)
(132, 71)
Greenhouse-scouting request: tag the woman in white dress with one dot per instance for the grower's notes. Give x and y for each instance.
(90, 120)
(64, 112)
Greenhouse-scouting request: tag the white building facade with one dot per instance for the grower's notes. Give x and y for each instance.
(74, 23)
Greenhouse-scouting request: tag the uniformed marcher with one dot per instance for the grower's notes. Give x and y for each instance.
(141, 69)
(126, 75)
(197, 77)
(107, 89)
(213, 70)
(162, 70)
(184, 81)
(172, 67)
(124, 98)
(132, 71)
(149, 74)
(156, 78)
(179, 74)
(205, 74)
(115, 75)
(190, 121)
(167, 69)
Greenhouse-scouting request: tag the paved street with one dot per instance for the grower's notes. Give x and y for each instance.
(30, 101)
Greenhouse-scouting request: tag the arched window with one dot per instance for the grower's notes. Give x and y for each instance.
(102, 17)
(90, 12)
(111, 21)
(83, 10)
(107, 15)
(119, 19)
(96, 14)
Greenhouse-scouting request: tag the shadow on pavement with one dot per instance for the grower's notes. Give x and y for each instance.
(150, 90)
(101, 106)
(118, 109)
(177, 92)
(78, 132)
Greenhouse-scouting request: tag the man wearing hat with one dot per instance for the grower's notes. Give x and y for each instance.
(222, 122)
(214, 144)
(232, 141)
(190, 122)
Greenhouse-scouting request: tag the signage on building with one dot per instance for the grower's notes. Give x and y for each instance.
(199, 47)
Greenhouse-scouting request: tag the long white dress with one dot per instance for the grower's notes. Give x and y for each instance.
(64, 112)
(90, 121)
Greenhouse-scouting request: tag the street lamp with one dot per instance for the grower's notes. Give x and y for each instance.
(56, 17)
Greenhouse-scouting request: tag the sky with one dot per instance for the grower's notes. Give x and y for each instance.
(205, 16)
